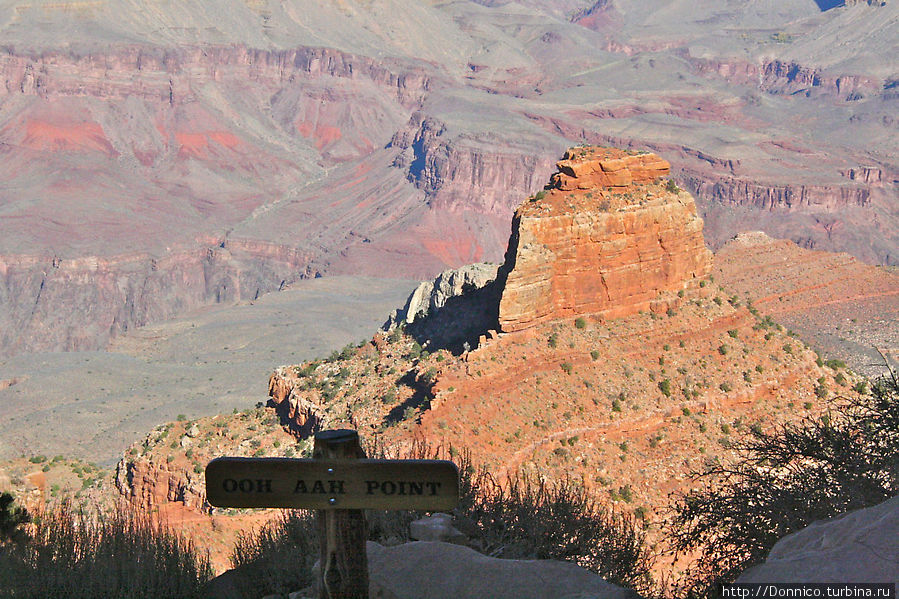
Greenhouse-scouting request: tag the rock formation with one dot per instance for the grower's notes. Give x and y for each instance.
(604, 239)
(432, 296)
(454, 309)
(843, 307)
(860, 546)
(446, 571)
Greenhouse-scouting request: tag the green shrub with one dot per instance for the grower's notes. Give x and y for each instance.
(580, 322)
(567, 367)
(429, 377)
(594, 355)
(722, 349)
(12, 517)
(665, 387)
(553, 340)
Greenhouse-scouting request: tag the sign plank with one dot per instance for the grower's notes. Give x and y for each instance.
(428, 485)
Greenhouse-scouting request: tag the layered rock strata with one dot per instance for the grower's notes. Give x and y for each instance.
(606, 239)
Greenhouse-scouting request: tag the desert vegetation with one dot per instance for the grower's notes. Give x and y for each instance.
(518, 519)
(785, 479)
(64, 552)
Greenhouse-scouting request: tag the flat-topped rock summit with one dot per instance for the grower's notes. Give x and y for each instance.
(605, 238)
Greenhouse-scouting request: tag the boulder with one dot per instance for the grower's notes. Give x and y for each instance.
(429, 570)
(861, 546)
(437, 527)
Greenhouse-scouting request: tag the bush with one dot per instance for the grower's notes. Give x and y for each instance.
(122, 554)
(665, 387)
(517, 519)
(786, 479)
(580, 322)
(594, 355)
(567, 367)
(12, 517)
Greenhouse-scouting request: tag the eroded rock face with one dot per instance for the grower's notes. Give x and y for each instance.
(148, 484)
(431, 296)
(606, 239)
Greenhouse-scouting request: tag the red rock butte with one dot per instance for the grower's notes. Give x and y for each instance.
(607, 238)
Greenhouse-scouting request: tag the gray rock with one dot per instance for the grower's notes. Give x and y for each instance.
(861, 546)
(437, 527)
(428, 570)
(456, 308)
(430, 296)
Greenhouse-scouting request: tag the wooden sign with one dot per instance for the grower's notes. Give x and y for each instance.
(427, 485)
(339, 482)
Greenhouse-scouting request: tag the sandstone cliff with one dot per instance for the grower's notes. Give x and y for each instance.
(604, 240)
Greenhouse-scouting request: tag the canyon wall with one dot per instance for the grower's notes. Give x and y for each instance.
(54, 304)
(604, 240)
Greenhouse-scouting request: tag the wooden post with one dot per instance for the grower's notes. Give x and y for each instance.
(339, 482)
(344, 564)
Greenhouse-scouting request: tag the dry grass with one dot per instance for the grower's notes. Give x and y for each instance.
(72, 553)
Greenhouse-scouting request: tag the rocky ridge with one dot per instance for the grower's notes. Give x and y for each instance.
(653, 367)
(42, 297)
(843, 307)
